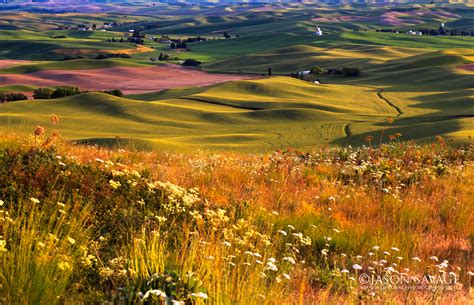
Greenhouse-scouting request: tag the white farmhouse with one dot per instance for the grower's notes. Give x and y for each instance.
(318, 31)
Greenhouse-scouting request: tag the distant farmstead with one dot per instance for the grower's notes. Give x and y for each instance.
(318, 31)
(410, 32)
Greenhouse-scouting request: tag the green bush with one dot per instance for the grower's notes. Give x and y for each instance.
(351, 71)
(115, 92)
(42, 93)
(318, 70)
(191, 63)
(65, 91)
(12, 97)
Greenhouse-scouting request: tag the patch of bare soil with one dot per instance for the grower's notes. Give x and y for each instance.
(5, 63)
(131, 80)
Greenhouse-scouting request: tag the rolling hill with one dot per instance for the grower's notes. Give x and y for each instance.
(245, 115)
(251, 115)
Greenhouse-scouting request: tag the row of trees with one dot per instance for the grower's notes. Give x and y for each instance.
(12, 97)
(48, 93)
(137, 37)
(190, 62)
(435, 32)
(347, 71)
(115, 40)
(98, 56)
(163, 57)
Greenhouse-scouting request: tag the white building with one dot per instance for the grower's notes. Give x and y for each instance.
(318, 32)
(410, 32)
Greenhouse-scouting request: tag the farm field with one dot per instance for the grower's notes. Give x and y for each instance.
(422, 90)
(197, 153)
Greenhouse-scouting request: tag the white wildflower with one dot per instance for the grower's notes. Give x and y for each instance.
(357, 267)
(290, 259)
(200, 295)
(156, 292)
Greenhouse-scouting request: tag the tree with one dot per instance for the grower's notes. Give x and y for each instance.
(12, 97)
(160, 58)
(191, 62)
(65, 91)
(317, 70)
(136, 34)
(42, 93)
(270, 71)
(351, 71)
(3, 98)
(115, 92)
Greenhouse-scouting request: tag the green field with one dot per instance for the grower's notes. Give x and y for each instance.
(248, 115)
(419, 80)
(244, 115)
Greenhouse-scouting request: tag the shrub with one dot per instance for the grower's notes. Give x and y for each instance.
(108, 55)
(317, 70)
(191, 62)
(42, 93)
(72, 57)
(115, 92)
(351, 71)
(11, 97)
(65, 91)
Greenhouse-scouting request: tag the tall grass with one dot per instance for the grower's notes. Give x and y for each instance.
(88, 224)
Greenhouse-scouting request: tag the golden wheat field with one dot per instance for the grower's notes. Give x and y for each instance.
(236, 152)
(84, 223)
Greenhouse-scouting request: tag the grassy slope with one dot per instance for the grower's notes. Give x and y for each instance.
(239, 115)
(36, 45)
(426, 85)
(287, 52)
(76, 64)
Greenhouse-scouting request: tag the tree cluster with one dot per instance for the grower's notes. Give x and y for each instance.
(190, 62)
(115, 40)
(47, 93)
(115, 92)
(435, 32)
(72, 57)
(137, 37)
(12, 97)
(317, 70)
(112, 55)
(178, 45)
(163, 57)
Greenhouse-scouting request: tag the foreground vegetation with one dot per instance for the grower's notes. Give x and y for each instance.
(87, 224)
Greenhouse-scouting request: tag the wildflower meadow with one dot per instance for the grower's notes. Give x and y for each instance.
(86, 224)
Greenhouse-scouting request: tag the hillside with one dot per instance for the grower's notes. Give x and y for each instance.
(247, 115)
(82, 224)
(257, 115)
(215, 153)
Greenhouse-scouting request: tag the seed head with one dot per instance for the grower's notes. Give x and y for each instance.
(54, 119)
(39, 130)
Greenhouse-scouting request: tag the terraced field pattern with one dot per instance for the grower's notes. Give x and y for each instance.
(425, 83)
